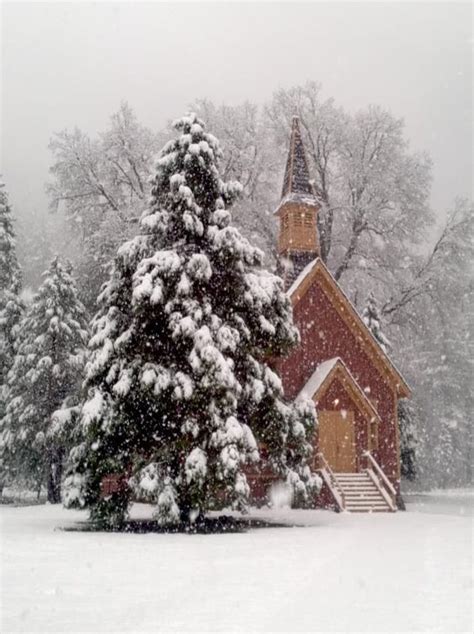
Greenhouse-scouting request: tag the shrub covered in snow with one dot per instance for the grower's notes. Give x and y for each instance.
(180, 393)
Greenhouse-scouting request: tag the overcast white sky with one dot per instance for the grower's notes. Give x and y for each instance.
(71, 64)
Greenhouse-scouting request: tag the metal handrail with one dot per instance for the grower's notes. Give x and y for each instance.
(333, 480)
(381, 475)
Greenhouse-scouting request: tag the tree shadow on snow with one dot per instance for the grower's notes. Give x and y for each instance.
(206, 526)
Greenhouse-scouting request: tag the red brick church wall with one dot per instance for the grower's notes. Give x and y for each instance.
(325, 335)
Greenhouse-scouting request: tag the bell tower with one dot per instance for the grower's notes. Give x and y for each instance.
(298, 242)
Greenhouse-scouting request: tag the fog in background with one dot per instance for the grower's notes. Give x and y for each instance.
(407, 270)
(71, 64)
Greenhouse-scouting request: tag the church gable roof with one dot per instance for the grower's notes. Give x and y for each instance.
(317, 270)
(318, 377)
(324, 375)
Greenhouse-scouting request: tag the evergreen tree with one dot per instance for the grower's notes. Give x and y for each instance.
(371, 318)
(447, 453)
(407, 418)
(409, 441)
(11, 306)
(46, 369)
(180, 391)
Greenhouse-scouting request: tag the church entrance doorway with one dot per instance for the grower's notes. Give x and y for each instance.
(337, 440)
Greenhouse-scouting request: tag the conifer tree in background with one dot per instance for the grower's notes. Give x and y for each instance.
(371, 318)
(407, 418)
(447, 453)
(11, 306)
(46, 370)
(180, 393)
(409, 441)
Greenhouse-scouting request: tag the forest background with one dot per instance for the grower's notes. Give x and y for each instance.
(386, 223)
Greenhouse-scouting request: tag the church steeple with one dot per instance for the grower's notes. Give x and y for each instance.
(298, 242)
(296, 179)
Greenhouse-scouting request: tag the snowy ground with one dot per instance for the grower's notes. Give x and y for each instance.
(320, 572)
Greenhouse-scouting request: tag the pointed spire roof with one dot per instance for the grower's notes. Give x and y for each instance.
(296, 180)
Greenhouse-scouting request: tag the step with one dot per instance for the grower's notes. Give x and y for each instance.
(355, 507)
(350, 506)
(356, 487)
(353, 480)
(351, 483)
(366, 502)
(360, 489)
(363, 496)
(360, 493)
(367, 507)
(370, 509)
(363, 485)
(356, 484)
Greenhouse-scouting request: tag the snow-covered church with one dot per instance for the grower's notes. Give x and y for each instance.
(338, 363)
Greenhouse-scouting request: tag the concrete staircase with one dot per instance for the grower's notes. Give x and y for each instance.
(361, 493)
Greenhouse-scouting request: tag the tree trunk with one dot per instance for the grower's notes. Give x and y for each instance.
(325, 231)
(185, 508)
(55, 471)
(358, 226)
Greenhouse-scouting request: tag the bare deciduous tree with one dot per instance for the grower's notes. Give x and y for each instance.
(101, 185)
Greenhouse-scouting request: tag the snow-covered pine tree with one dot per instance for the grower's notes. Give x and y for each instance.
(447, 453)
(371, 318)
(409, 440)
(181, 392)
(47, 368)
(407, 418)
(11, 306)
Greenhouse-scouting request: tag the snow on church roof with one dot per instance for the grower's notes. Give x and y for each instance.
(305, 199)
(322, 372)
(318, 377)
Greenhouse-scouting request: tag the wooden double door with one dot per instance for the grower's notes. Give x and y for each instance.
(337, 440)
